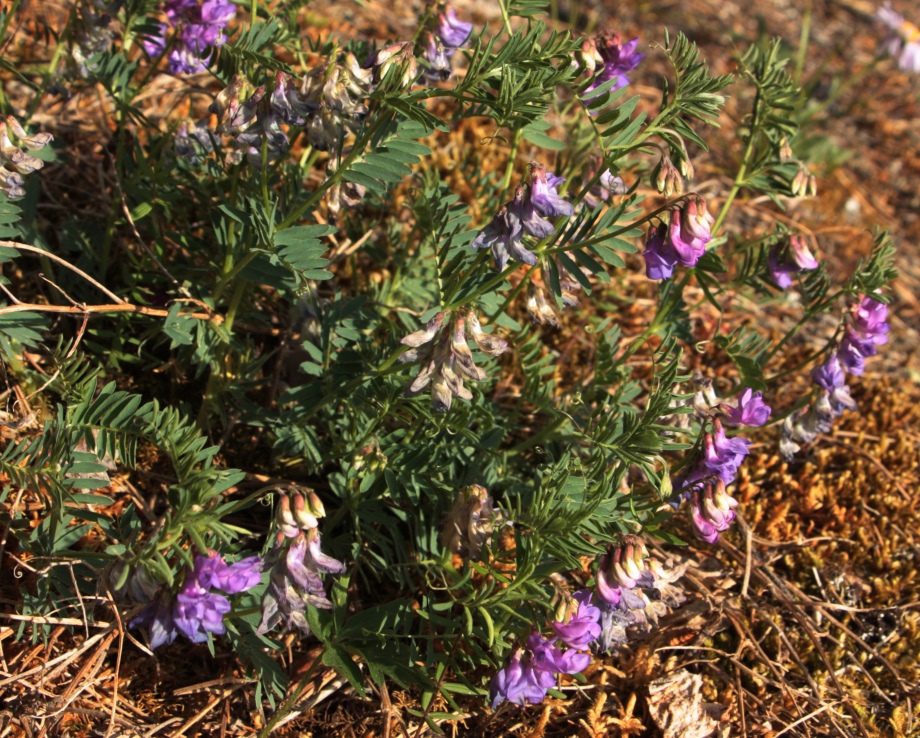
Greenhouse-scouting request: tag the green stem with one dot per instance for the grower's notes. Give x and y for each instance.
(803, 43)
(509, 169)
(820, 307)
(356, 151)
(741, 177)
(513, 294)
(606, 236)
(487, 287)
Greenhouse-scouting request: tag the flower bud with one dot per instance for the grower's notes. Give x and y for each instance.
(284, 517)
(667, 179)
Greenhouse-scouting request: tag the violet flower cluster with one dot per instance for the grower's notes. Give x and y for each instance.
(446, 361)
(788, 258)
(450, 34)
(716, 466)
(197, 28)
(903, 39)
(632, 590)
(865, 329)
(683, 242)
(525, 214)
(329, 102)
(14, 159)
(532, 671)
(297, 564)
(198, 609)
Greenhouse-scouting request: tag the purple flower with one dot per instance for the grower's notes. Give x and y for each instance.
(295, 582)
(519, 682)
(549, 657)
(702, 528)
(619, 571)
(689, 234)
(543, 195)
(854, 350)
(158, 617)
(711, 511)
(438, 69)
(198, 611)
(723, 455)
(577, 624)
(217, 13)
(869, 319)
(790, 258)
(503, 235)
(751, 410)
(829, 375)
(831, 378)
(660, 257)
(453, 32)
(903, 39)
(199, 27)
(618, 59)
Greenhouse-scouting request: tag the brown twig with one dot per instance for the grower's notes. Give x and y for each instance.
(121, 307)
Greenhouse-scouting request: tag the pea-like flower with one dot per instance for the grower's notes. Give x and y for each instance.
(866, 330)
(632, 590)
(446, 361)
(438, 68)
(684, 242)
(197, 28)
(197, 609)
(520, 682)
(471, 521)
(618, 59)
(749, 409)
(903, 39)
(577, 619)
(453, 32)
(525, 214)
(531, 672)
(295, 581)
(14, 159)
(711, 511)
(790, 258)
(298, 513)
(605, 188)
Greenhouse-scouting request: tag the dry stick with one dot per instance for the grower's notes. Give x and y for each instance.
(809, 716)
(121, 307)
(731, 550)
(62, 262)
(121, 646)
(780, 682)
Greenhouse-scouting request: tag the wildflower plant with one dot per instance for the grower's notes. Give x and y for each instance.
(369, 446)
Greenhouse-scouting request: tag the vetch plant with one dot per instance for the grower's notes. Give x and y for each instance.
(360, 301)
